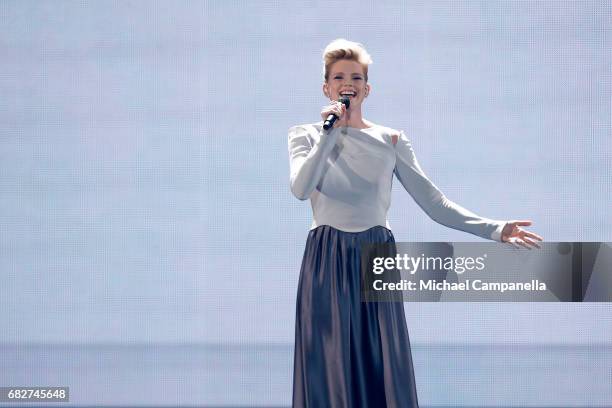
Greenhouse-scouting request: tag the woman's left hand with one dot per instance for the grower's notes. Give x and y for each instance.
(517, 236)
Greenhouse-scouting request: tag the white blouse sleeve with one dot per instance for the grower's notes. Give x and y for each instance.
(307, 158)
(433, 202)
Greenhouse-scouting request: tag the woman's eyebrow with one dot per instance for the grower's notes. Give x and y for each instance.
(354, 73)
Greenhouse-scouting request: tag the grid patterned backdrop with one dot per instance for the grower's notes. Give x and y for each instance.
(144, 194)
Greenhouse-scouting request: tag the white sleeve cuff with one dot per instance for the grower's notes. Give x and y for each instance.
(496, 234)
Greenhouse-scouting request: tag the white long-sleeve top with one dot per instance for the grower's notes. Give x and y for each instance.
(347, 173)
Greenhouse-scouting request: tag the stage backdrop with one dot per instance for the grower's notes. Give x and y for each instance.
(144, 175)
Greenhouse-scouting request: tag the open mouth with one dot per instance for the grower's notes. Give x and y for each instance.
(350, 94)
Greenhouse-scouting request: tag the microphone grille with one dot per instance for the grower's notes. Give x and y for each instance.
(345, 101)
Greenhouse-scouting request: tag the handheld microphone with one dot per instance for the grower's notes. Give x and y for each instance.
(332, 118)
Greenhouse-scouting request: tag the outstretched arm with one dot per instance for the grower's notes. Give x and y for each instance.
(433, 202)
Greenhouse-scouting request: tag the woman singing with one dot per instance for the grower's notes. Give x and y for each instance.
(350, 353)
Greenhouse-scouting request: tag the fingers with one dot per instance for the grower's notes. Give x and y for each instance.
(530, 242)
(522, 223)
(518, 243)
(513, 244)
(341, 108)
(522, 243)
(336, 108)
(517, 232)
(533, 235)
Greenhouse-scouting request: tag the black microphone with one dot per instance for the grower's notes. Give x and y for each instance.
(332, 118)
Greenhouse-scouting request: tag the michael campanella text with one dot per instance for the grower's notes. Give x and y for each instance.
(476, 284)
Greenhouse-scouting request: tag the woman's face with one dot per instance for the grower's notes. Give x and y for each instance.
(346, 77)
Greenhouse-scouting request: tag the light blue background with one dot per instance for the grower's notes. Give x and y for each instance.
(144, 192)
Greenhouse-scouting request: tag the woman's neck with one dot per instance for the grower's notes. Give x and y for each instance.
(355, 120)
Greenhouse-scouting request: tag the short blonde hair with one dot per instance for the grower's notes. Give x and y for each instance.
(342, 49)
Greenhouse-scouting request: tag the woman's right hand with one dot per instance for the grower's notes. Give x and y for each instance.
(338, 109)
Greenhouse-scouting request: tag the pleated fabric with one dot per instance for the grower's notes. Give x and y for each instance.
(348, 353)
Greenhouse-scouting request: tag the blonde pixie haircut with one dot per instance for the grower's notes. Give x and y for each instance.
(342, 49)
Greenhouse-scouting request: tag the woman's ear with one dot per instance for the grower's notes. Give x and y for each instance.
(368, 89)
(325, 90)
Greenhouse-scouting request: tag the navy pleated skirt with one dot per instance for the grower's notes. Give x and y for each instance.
(348, 353)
